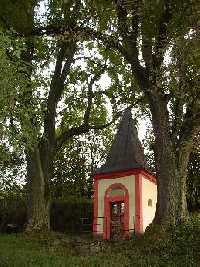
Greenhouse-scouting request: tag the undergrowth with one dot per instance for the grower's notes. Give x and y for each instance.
(178, 246)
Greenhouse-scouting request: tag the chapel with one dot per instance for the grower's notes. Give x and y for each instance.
(125, 192)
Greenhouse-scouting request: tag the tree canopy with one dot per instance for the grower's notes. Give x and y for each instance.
(70, 67)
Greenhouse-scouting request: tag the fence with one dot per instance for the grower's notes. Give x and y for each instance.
(104, 220)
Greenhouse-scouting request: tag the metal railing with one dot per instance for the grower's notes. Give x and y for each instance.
(105, 221)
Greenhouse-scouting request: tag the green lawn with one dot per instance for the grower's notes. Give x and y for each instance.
(178, 247)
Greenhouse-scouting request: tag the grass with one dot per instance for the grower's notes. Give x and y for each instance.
(176, 247)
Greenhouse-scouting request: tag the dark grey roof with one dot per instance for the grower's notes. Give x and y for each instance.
(126, 151)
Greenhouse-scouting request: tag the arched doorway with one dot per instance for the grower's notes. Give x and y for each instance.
(116, 212)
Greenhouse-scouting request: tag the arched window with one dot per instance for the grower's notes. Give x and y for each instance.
(150, 202)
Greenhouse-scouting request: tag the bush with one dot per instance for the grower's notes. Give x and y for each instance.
(65, 215)
(73, 215)
(13, 212)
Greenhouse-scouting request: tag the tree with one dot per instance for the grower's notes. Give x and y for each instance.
(174, 132)
(143, 32)
(193, 175)
(41, 126)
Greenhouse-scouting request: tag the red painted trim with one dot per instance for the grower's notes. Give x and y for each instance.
(113, 175)
(116, 199)
(107, 202)
(149, 176)
(138, 205)
(138, 199)
(95, 206)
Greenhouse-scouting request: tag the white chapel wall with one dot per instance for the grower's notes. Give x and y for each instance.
(103, 184)
(149, 192)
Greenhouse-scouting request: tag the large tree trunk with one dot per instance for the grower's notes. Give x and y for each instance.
(171, 168)
(171, 202)
(38, 176)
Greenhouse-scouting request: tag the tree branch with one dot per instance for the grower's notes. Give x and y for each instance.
(190, 126)
(57, 87)
(147, 50)
(130, 51)
(74, 33)
(129, 35)
(122, 20)
(91, 94)
(75, 131)
(161, 40)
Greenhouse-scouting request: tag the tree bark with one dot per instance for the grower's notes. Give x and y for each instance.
(171, 201)
(171, 167)
(39, 165)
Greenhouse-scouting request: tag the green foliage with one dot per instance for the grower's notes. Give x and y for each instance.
(13, 207)
(67, 215)
(176, 247)
(75, 165)
(17, 14)
(19, 111)
(193, 179)
(72, 172)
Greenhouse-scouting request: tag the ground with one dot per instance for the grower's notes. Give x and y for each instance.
(179, 246)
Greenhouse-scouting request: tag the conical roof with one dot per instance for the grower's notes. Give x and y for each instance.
(126, 151)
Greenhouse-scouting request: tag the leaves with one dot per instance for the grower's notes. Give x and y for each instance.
(135, 61)
(17, 15)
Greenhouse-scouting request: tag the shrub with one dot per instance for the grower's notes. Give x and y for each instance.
(73, 215)
(65, 215)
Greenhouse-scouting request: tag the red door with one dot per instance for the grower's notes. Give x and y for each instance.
(117, 220)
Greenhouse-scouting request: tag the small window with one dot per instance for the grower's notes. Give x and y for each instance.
(149, 202)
